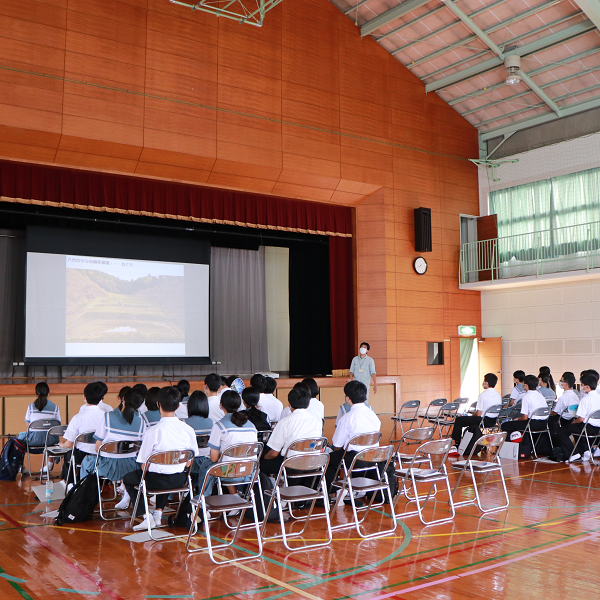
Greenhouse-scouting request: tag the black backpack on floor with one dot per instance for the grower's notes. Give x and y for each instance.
(267, 485)
(11, 459)
(80, 501)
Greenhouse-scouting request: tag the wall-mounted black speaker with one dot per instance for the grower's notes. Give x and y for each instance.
(422, 229)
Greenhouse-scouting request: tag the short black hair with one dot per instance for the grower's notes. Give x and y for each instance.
(141, 388)
(184, 387)
(152, 398)
(569, 378)
(312, 386)
(213, 382)
(491, 379)
(224, 381)
(231, 379)
(299, 397)
(531, 381)
(365, 344)
(520, 375)
(589, 379)
(169, 398)
(270, 385)
(93, 393)
(594, 373)
(259, 382)
(250, 396)
(104, 387)
(197, 405)
(231, 401)
(356, 391)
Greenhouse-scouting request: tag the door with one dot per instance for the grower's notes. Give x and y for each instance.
(487, 229)
(490, 359)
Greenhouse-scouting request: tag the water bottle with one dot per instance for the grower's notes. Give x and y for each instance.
(49, 491)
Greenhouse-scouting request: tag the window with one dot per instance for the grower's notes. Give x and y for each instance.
(435, 353)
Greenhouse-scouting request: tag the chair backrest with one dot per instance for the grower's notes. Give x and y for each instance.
(493, 442)
(593, 415)
(449, 408)
(506, 400)
(120, 447)
(472, 408)
(202, 440)
(435, 447)
(308, 461)
(263, 436)
(42, 424)
(417, 435)
(435, 407)
(550, 402)
(494, 409)
(56, 430)
(374, 455)
(308, 445)
(365, 439)
(242, 451)
(231, 469)
(544, 411)
(87, 437)
(171, 457)
(411, 407)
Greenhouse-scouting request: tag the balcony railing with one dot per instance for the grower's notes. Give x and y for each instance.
(532, 254)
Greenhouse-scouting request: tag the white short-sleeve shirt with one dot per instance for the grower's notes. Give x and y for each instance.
(300, 424)
(271, 405)
(359, 419)
(517, 392)
(89, 418)
(215, 412)
(169, 434)
(531, 401)
(315, 408)
(488, 398)
(566, 405)
(589, 403)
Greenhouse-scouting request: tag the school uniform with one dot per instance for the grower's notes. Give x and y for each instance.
(362, 369)
(271, 405)
(215, 412)
(588, 404)
(360, 418)
(300, 424)
(182, 411)
(114, 428)
(151, 417)
(565, 409)
(104, 406)
(258, 418)
(531, 401)
(200, 425)
(517, 393)
(38, 438)
(223, 435)
(345, 409)
(169, 434)
(547, 393)
(315, 408)
(489, 397)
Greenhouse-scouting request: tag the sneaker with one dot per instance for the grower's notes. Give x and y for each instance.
(453, 451)
(144, 524)
(586, 456)
(233, 513)
(157, 516)
(574, 458)
(152, 500)
(124, 503)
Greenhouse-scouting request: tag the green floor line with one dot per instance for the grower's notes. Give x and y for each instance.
(15, 585)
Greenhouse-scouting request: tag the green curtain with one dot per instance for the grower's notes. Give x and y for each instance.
(466, 349)
(576, 198)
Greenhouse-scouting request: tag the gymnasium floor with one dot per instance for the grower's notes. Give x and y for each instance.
(544, 546)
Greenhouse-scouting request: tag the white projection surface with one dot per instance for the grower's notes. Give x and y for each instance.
(91, 306)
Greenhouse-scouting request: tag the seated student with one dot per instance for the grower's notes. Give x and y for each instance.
(168, 435)
(531, 401)
(566, 406)
(345, 408)
(544, 387)
(545, 372)
(298, 425)
(212, 385)
(184, 389)
(518, 390)
(197, 408)
(117, 425)
(152, 414)
(89, 418)
(359, 418)
(316, 407)
(258, 418)
(587, 405)
(224, 387)
(489, 397)
(233, 428)
(121, 398)
(42, 408)
(267, 403)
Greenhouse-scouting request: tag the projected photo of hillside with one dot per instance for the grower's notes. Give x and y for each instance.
(114, 307)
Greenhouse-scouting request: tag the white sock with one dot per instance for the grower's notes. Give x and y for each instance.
(124, 503)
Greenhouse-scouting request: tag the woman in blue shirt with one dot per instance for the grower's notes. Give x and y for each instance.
(42, 408)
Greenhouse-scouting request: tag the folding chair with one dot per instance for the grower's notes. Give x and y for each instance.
(263, 436)
(493, 442)
(445, 419)
(407, 414)
(551, 403)
(539, 412)
(114, 448)
(87, 437)
(224, 503)
(411, 438)
(380, 458)
(463, 401)
(595, 437)
(171, 457)
(416, 475)
(52, 451)
(308, 464)
(433, 410)
(202, 440)
(495, 409)
(41, 425)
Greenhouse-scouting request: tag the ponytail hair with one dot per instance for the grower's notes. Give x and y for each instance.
(231, 403)
(42, 390)
(122, 392)
(133, 400)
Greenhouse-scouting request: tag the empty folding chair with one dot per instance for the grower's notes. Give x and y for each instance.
(463, 410)
(367, 479)
(433, 411)
(39, 426)
(51, 450)
(114, 449)
(413, 437)
(407, 415)
(171, 457)
(493, 442)
(412, 476)
(539, 412)
(223, 503)
(87, 437)
(302, 465)
(445, 419)
(590, 438)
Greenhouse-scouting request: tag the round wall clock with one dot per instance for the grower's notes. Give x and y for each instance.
(420, 265)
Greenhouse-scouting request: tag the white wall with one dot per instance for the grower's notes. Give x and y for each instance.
(557, 325)
(277, 261)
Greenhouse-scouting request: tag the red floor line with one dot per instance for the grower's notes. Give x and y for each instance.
(62, 557)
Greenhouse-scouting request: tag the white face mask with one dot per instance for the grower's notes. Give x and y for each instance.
(363, 350)
(562, 385)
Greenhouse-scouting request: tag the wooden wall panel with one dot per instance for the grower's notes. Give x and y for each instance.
(302, 107)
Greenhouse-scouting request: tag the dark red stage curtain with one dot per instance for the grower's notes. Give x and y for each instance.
(341, 301)
(71, 188)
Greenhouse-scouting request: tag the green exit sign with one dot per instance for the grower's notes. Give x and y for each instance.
(469, 330)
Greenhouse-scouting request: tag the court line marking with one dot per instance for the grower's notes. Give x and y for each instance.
(11, 578)
(76, 591)
(16, 586)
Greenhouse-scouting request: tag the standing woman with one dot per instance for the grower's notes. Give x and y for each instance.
(363, 368)
(152, 414)
(42, 408)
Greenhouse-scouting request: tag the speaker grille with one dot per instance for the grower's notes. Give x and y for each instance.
(423, 229)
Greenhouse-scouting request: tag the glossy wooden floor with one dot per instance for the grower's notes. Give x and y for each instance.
(544, 546)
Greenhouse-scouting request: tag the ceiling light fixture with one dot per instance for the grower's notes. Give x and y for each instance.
(512, 64)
